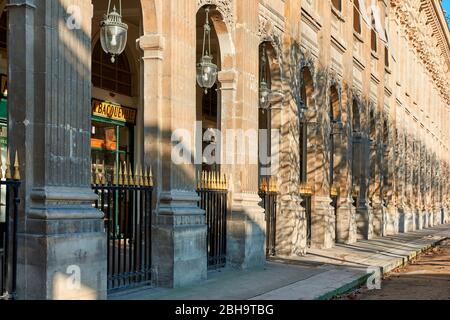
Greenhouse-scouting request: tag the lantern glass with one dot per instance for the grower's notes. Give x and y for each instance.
(206, 73)
(113, 39)
(264, 94)
(113, 34)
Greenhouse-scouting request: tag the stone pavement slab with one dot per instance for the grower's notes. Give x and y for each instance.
(321, 274)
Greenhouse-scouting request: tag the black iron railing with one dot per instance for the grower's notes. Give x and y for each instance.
(213, 192)
(9, 203)
(127, 205)
(334, 204)
(269, 195)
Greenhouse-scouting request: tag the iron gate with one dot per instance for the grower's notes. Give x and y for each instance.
(213, 192)
(127, 205)
(334, 204)
(306, 192)
(9, 203)
(268, 194)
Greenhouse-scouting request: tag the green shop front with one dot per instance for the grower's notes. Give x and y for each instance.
(112, 137)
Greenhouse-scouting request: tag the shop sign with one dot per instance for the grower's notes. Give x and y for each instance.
(113, 111)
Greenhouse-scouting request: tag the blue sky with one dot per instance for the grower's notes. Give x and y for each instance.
(446, 5)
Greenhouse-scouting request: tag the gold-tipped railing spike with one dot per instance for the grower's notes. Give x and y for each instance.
(146, 178)
(16, 167)
(8, 166)
(199, 180)
(334, 190)
(141, 177)
(103, 181)
(137, 181)
(120, 175)
(204, 180)
(216, 185)
(221, 182)
(96, 174)
(150, 177)
(305, 189)
(125, 174)
(130, 174)
(273, 185)
(115, 175)
(225, 178)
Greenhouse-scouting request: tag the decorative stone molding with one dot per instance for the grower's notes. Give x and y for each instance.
(268, 33)
(420, 23)
(225, 7)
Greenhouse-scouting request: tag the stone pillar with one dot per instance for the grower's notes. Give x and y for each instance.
(61, 236)
(291, 223)
(428, 222)
(401, 165)
(179, 249)
(389, 193)
(375, 187)
(346, 212)
(246, 223)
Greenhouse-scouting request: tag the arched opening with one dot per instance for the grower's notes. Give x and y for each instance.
(356, 17)
(208, 103)
(267, 182)
(213, 193)
(334, 120)
(118, 176)
(306, 94)
(116, 96)
(356, 155)
(337, 4)
(372, 186)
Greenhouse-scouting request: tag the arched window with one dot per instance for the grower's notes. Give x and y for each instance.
(306, 95)
(373, 35)
(356, 17)
(115, 77)
(356, 118)
(386, 50)
(386, 57)
(337, 4)
(373, 40)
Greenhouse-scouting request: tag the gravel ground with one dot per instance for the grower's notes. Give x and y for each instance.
(426, 278)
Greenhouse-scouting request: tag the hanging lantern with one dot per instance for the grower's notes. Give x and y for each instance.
(113, 32)
(264, 90)
(206, 69)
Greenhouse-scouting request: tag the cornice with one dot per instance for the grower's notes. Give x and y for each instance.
(422, 26)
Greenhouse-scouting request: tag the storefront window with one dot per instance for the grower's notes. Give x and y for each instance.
(112, 138)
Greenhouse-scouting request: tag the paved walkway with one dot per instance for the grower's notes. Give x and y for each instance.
(321, 274)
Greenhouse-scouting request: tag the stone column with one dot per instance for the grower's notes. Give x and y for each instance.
(291, 224)
(389, 192)
(400, 164)
(364, 210)
(179, 249)
(375, 187)
(428, 221)
(323, 217)
(61, 236)
(346, 212)
(246, 223)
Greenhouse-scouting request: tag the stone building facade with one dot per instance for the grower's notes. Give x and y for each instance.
(360, 97)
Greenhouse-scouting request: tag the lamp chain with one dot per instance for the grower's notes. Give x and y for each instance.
(109, 7)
